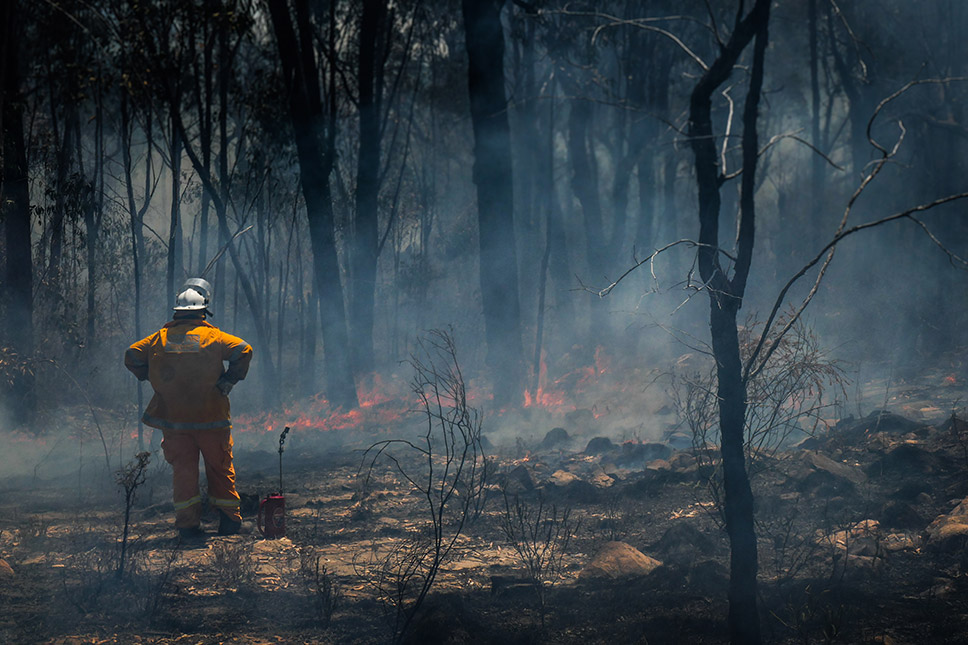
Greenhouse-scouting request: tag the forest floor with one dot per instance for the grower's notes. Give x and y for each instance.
(862, 539)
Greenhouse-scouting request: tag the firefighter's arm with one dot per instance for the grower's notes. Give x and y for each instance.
(238, 353)
(136, 358)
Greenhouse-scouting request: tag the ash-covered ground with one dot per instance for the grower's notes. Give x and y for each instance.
(862, 533)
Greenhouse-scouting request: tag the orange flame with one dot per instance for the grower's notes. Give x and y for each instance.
(566, 393)
(385, 402)
(378, 408)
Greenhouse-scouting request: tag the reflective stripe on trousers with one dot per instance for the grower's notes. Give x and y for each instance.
(188, 502)
(223, 503)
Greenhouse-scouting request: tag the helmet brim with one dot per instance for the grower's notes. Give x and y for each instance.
(203, 309)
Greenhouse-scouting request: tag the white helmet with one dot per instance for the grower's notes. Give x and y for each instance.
(194, 296)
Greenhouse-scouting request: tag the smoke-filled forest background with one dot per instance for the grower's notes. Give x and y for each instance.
(138, 137)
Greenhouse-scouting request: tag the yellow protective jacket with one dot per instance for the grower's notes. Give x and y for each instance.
(184, 361)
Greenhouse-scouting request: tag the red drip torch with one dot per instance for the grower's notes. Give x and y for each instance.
(271, 521)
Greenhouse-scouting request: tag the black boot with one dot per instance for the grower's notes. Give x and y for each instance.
(228, 526)
(192, 533)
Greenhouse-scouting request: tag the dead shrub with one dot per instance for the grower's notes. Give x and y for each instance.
(326, 593)
(958, 428)
(615, 522)
(90, 581)
(232, 564)
(153, 580)
(540, 537)
(33, 532)
(809, 612)
(130, 478)
(447, 468)
(89, 570)
(786, 399)
(792, 550)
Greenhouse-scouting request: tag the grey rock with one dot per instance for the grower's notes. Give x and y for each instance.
(555, 438)
(836, 468)
(618, 560)
(600, 446)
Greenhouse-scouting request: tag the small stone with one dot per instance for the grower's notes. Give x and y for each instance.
(555, 438)
(601, 480)
(900, 542)
(907, 459)
(683, 461)
(562, 478)
(6, 571)
(618, 560)
(519, 480)
(599, 446)
(942, 587)
(683, 542)
(835, 468)
(950, 532)
(861, 539)
(641, 453)
(951, 529)
(901, 515)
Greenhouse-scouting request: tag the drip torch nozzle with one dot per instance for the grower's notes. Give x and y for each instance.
(282, 440)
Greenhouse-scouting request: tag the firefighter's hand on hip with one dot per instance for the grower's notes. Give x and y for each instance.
(224, 386)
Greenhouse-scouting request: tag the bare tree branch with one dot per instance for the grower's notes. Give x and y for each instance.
(639, 23)
(855, 41)
(954, 258)
(729, 129)
(828, 250)
(752, 368)
(775, 139)
(648, 259)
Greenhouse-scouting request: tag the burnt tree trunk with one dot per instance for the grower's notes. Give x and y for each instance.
(365, 239)
(93, 216)
(584, 183)
(652, 97)
(495, 202)
(316, 162)
(203, 93)
(17, 289)
(136, 219)
(816, 161)
(225, 57)
(174, 271)
(59, 215)
(725, 299)
(559, 272)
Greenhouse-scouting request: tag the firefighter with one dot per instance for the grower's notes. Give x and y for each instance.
(184, 362)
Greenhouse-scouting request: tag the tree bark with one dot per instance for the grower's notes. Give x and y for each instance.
(59, 214)
(584, 183)
(15, 208)
(559, 272)
(174, 270)
(816, 162)
(725, 299)
(315, 167)
(365, 238)
(93, 212)
(495, 201)
(203, 100)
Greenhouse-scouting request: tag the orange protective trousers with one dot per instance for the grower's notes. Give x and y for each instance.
(181, 448)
